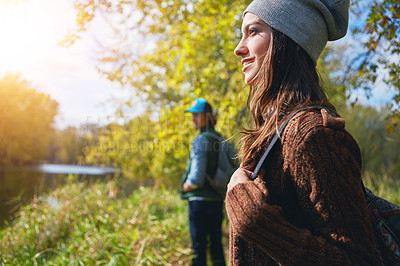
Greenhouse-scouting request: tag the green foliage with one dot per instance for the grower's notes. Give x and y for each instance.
(86, 225)
(129, 147)
(380, 150)
(193, 52)
(383, 186)
(329, 65)
(67, 146)
(192, 56)
(26, 124)
(148, 149)
(380, 31)
(186, 52)
(79, 225)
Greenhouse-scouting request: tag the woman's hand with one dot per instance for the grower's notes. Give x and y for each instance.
(241, 175)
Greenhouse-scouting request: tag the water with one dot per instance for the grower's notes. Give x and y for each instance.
(18, 185)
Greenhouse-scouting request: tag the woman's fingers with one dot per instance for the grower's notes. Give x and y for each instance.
(239, 176)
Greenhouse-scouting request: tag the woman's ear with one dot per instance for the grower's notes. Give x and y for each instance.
(297, 48)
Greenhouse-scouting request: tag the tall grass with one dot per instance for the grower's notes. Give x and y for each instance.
(383, 186)
(97, 225)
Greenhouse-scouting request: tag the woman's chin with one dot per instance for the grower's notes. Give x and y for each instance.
(249, 78)
(249, 81)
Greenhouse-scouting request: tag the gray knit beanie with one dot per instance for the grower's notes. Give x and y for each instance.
(310, 23)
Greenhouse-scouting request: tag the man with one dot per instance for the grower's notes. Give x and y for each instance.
(205, 204)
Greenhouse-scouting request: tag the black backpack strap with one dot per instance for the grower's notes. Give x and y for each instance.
(275, 138)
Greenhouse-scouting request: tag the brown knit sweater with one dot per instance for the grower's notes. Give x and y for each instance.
(308, 208)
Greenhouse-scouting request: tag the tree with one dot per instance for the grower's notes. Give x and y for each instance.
(328, 67)
(67, 146)
(379, 30)
(193, 49)
(191, 56)
(26, 123)
(380, 150)
(130, 147)
(181, 50)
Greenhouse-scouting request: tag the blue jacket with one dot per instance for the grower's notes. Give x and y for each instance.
(202, 162)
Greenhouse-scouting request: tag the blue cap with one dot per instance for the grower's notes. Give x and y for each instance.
(199, 106)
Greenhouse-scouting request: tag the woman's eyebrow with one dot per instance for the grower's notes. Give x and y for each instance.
(258, 23)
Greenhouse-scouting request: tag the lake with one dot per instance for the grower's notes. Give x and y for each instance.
(18, 185)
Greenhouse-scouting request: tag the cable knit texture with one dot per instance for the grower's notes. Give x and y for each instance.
(307, 207)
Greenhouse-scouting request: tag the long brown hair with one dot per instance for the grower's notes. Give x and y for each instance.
(287, 81)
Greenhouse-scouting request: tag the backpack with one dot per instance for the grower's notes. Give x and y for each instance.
(385, 218)
(227, 163)
(384, 215)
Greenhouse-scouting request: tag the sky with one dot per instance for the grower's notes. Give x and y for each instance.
(30, 32)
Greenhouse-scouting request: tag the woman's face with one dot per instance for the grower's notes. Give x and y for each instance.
(253, 47)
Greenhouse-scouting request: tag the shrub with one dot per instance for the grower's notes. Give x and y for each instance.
(97, 224)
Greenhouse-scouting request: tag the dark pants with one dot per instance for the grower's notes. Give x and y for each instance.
(205, 219)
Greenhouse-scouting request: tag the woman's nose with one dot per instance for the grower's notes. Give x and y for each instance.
(240, 49)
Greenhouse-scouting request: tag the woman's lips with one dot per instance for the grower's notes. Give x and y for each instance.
(246, 65)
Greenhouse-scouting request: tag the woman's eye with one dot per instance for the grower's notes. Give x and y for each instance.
(253, 31)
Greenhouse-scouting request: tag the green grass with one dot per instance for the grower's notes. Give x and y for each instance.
(383, 186)
(97, 225)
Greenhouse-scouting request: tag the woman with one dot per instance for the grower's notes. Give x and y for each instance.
(307, 205)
